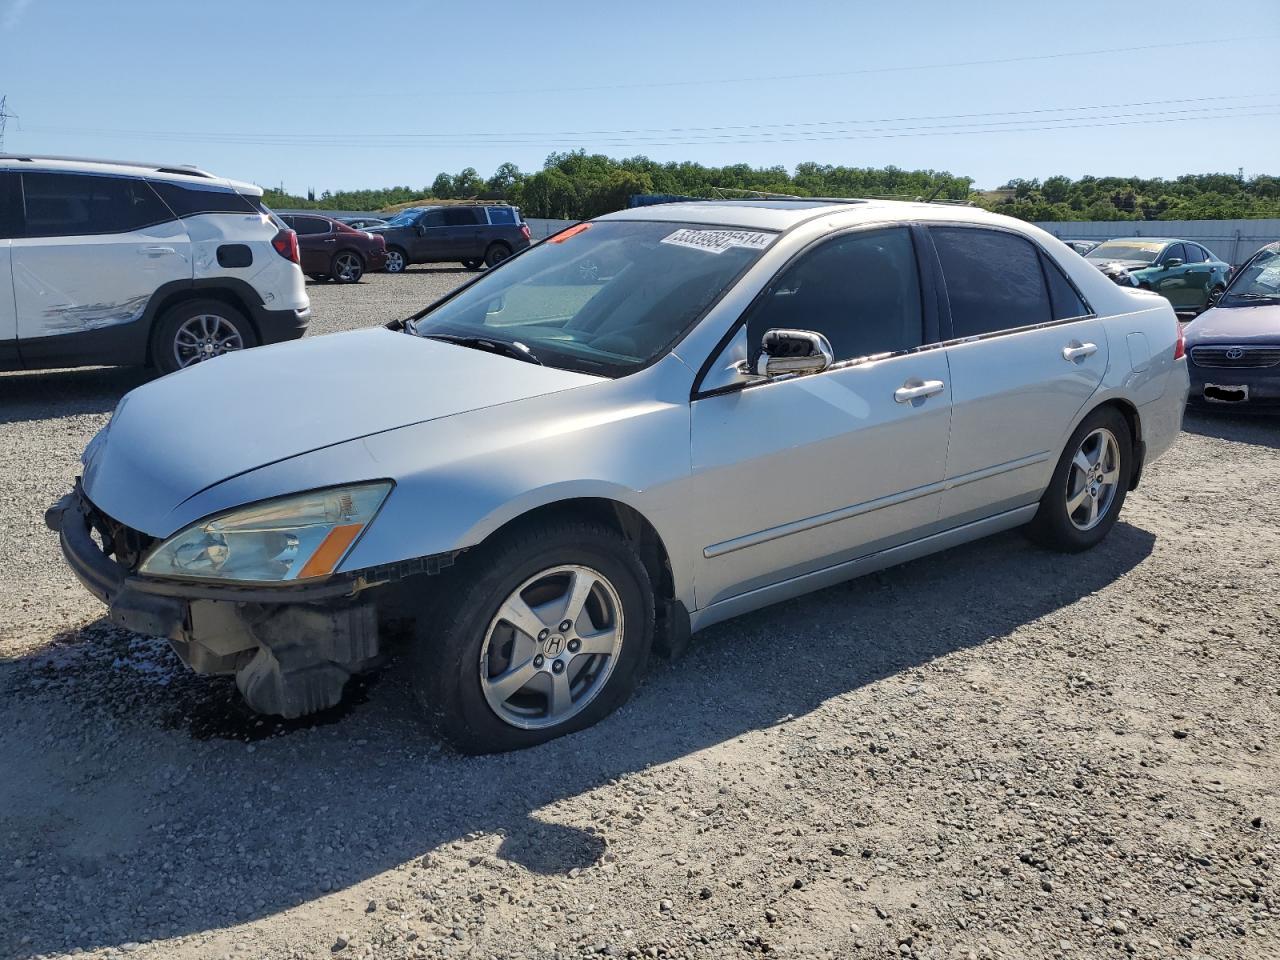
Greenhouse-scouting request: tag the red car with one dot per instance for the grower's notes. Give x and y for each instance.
(330, 250)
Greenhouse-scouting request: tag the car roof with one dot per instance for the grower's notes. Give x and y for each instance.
(1150, 240)
(780, 215)
(177, 173)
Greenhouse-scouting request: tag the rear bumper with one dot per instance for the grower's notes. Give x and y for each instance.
(277, 326)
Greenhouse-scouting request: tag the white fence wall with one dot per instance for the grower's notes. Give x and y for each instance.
(1234, 241)
(541, 229)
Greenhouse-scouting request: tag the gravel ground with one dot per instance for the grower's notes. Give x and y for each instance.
(1057, 756)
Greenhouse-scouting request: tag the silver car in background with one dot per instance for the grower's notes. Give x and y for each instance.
(649, 423)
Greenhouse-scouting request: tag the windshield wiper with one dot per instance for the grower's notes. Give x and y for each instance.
(1253, 296)
(490, 345)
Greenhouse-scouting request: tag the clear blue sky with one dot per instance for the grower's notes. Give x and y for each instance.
(363, 94)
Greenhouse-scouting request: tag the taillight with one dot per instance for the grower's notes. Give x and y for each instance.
(524, 228)
(286, 244)
(1180, 348)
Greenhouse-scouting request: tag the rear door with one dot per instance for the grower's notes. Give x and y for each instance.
(93, 251)
(10, 224)
(1199, 273)
(462, 236)
(1026, 355)
(315, 243)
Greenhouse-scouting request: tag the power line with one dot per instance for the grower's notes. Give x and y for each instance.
(872, 133)
(5, 116)
(637, 133)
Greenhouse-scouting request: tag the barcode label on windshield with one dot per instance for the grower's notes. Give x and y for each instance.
(718, 241)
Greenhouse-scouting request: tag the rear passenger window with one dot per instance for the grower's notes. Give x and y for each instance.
(310, 225)
(1067, 304)
(1194, 253)
(502, 215)
(463, 216)
(73, 204)
(994, 281)
(861, 291)
(10, 206)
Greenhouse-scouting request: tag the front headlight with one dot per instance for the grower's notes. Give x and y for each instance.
(292, 538)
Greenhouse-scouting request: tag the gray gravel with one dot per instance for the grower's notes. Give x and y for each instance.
(995, 752)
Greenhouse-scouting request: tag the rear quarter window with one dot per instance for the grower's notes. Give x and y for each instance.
(190, 201)
(502, 215)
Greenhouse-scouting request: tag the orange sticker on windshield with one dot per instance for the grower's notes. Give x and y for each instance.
(564, 235)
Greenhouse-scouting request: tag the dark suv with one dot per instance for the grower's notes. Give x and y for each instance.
(472, 234)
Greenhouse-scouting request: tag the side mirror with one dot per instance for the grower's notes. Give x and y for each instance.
(1172, 262)
(793, 352)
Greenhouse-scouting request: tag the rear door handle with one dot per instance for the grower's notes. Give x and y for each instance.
(918, 391)
(1078, 351)
(156, 251)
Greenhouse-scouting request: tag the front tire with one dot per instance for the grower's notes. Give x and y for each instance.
(199, 330)
(473, 264)
(1088, 486)
(540, 634)
(397, 260)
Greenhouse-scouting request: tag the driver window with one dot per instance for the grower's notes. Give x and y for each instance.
(861, 291)
(432, 218)
(1173, 251)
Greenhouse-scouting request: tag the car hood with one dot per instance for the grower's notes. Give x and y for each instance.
(179, 435)
(1105, 265)
(1259, 324)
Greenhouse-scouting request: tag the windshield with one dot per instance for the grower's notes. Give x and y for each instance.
(1144, 250)
(1259, 279)
(404, 218)
(605, 297)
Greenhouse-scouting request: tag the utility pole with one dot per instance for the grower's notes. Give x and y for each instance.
(5, 116)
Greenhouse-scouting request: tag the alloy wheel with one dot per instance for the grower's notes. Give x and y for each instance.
(1093, 479)
(551, 647)
(204, 336)
(347, 268)
(395, 262)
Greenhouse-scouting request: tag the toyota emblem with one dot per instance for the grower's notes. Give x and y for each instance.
(1234, 353)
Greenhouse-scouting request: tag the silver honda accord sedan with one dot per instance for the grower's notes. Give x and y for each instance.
(651, 422)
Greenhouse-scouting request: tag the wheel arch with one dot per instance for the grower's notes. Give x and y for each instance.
(1133, 418)
(166, 299)
(628, 522)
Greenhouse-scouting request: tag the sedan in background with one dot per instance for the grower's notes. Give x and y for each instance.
(1184, 273)
(1082, 247)
(331, 250)
(1234, 348)
(362, 223)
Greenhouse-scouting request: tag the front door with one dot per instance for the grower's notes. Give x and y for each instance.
(316, 242)
(10, 221)
(1176, 281)
(1030, 355)
(93, 251)
(794, 475)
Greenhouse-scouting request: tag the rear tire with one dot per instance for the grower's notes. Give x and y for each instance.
(397, 260)
(319, 277)
(464, 646)
(1214, 296)
(496, 253)
(1089, 485)
(348, 266)
(199, 330)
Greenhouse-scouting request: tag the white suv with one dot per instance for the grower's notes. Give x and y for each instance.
(128, 263)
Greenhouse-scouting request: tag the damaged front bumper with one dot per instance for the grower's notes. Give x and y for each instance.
(291, 647)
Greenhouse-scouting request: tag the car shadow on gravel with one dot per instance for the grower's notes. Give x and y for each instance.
(127, 817)
(1260, 429)
(50, 394)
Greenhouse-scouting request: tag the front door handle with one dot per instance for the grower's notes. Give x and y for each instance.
(156, 251)
(1078, 351)
(332, 240)
(918, 390)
